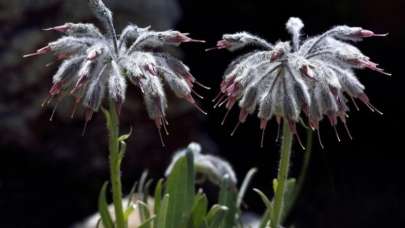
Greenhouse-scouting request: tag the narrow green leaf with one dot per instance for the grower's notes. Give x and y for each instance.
(148, 223)
(180, 187)
(199, 210)
(216, 216)
(266, 220)
(288, 195)
(142, 181)
(245, 185)
(269, 206)
(161, 220)
(264, 198)
(128, 211)
(228, 198)
(98, 224)
(103, 208)
(131, 194)
(123, 148)
(124, 137)
(146, 190)
(275, 184)
(144, 213)
(158, 195)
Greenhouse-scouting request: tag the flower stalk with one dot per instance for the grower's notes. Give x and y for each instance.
(303, 171)
(284, 165)
(115, 164)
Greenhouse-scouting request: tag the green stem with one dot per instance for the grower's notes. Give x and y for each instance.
(303, 171)
(115, 163)
(285, 154)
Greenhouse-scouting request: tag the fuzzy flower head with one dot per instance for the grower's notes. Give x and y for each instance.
(315, 76)
(98, 65)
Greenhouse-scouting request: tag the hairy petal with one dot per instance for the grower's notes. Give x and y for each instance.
(117, 84)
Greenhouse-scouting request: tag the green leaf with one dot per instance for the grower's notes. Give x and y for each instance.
(199, 210)
(245, 185)
(130, 205)
(131, 194)
(146, 189)
(124, 137)
(148, 223)
(180, 187)
(269, 206)
(158, 195)
(142, 181)
(228, 198)
(289, 194)
(98, 223)
(128, 211)
(264, 198)
(123, 148)
(103, 208)
(161, 220)
(216, 216)
(275, 184)
(144, 213)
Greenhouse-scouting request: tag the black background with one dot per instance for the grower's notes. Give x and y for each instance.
(355, 183)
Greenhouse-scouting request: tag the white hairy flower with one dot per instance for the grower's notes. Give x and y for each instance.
(97, 65)
(314, 76)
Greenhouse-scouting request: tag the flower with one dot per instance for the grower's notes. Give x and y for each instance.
(97, 65)
(315, 76)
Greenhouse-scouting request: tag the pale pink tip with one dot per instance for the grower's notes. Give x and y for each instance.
(190, 99)
(368, 33)
(211, 49)
(92, 55)
(158, 122)
(40, 51)
(223, 44)
(243, 115)
(60, 28)
(263, 123)
(195, 41)
(275, 55)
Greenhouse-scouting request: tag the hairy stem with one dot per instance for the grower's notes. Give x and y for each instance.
(285, 154)
(115, 163)
(303, 171)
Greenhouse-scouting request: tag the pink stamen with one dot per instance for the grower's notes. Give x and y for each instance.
(231, 102)
(293, 129)
(190, 99)
(40, 51)
(217, 96)
(158, 123)
(88, 115)
(235, 128)
(226, 115)
(262, 138)
(336, 133)
(60, 28)
(201, 85)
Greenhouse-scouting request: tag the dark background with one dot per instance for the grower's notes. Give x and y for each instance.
(50, 175)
